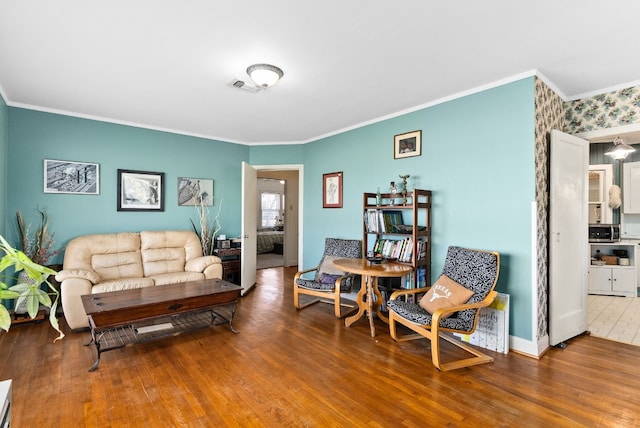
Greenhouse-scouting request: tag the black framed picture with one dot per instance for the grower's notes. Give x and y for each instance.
(407, 145)
(140, 190)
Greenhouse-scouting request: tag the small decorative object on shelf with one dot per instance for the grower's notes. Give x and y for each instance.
(404, 188)
(378, 198)
(394, 190)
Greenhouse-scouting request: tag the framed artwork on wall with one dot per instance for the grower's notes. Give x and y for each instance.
(407, 145)
(81, 178)
(195, 191)
(332, 190)
(140, 190)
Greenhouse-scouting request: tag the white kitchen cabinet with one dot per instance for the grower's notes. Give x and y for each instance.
(614, 280)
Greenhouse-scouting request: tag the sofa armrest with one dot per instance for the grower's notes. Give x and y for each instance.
(71, 291)
(200, 264)
(89, 275)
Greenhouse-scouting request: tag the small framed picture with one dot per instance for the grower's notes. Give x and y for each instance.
(407, 145)
(224, 243)
(332, 190)
(195, 191)
(140, 190)
(81, 178)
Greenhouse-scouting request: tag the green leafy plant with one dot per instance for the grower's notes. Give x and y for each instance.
(32, 293)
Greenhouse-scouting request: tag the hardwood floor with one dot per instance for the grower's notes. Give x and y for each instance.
(290, 368)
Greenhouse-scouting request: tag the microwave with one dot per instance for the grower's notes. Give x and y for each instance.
(604, 233)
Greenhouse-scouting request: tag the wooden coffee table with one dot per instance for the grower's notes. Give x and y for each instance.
(122, 318)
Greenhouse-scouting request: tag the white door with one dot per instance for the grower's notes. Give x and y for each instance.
(249, 226)
(568, 242)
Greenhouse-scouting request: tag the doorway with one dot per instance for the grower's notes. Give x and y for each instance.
(613, 317)
(293, 210)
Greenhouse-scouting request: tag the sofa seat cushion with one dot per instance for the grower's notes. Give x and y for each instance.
(176, 277)
(163, 260)
(121, 284)
(126, 264)
(168, 251)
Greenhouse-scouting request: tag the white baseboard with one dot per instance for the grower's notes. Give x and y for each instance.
(528, 347)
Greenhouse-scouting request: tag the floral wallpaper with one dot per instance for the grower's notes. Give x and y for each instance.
(608, 110)
(549, 110)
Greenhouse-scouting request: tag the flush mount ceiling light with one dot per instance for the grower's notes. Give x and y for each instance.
(619, 150)
(264, 75)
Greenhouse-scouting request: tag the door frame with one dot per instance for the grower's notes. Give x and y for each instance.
(300, 169)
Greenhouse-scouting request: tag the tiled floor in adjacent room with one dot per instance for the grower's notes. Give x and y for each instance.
(615, 318)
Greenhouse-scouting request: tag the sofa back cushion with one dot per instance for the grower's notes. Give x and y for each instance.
(111, 256)
(168, 251)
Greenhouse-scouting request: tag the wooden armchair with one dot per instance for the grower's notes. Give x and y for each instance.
(476, 271)
(328, 282)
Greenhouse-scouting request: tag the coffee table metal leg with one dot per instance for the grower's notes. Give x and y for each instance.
(229, 320)
(233, 313)
(96, 341)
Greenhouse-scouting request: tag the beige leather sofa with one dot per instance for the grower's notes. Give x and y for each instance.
(122, 261)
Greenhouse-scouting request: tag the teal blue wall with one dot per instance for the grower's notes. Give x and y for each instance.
(282, 154)
(4, 149)
(35, 136)
(477, 158)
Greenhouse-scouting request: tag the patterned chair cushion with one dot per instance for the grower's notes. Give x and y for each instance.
(334, 248)
(475, 270)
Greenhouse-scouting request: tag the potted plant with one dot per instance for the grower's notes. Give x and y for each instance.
(31, 293)
(38, 247)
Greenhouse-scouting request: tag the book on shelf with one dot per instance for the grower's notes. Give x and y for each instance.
(383, 221)
(371, 220)
(422, 280)
(399, 249)
(391, 218)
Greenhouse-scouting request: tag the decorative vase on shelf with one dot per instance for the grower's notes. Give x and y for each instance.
(394, 190)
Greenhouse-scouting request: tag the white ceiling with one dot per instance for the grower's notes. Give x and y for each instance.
(167, 64)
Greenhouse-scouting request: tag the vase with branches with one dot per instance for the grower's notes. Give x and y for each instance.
(205, 230)
(38, 246)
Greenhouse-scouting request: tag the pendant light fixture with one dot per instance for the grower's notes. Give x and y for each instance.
(264, 75)
(619, 150)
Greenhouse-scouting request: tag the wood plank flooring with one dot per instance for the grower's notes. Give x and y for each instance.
(291, 368)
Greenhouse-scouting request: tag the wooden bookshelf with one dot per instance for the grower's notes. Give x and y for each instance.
(400, 232)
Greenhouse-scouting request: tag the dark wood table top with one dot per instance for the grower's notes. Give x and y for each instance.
(118, 307)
